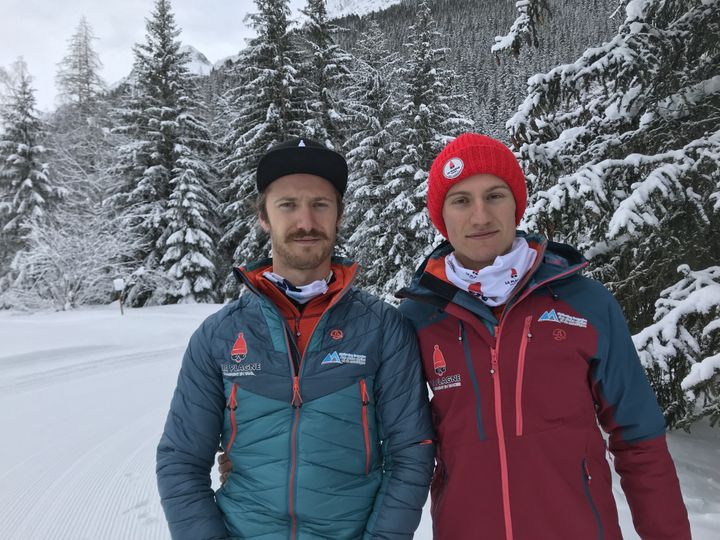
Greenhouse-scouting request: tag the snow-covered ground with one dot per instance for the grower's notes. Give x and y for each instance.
(83, 399)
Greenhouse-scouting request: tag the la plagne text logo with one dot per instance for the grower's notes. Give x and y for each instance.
(445, 383)
(344, 358)
(247, 369)
(562, 318)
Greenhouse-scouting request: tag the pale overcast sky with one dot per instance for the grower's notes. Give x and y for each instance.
(38, 30)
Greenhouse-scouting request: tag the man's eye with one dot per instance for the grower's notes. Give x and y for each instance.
(496, 196)
(459, 201)
(287, 204)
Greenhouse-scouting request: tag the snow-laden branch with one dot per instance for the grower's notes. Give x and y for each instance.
(692, 302)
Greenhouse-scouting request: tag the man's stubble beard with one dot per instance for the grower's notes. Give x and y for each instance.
(299, 259)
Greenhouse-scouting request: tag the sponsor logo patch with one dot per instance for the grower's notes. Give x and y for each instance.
(439, 364)
(559, 334)
(336, 334)
(239, 350)
(453, 168)
(562, 318)
(444, 383)
(344, 358)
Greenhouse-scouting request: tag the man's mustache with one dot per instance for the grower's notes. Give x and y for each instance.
(312, 233)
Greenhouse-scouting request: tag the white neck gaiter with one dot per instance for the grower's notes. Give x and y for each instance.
(302, 294)
(493, 284)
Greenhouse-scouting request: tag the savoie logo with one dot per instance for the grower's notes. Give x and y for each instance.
(562, 318)
(344, 358)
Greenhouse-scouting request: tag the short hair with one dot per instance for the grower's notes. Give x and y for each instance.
(261, 204)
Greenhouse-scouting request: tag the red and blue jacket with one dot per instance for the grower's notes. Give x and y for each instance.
(517, 396)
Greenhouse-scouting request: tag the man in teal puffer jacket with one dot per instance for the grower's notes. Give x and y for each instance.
(312, 387)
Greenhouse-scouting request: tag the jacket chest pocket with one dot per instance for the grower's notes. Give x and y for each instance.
(364, 420)
(551, 384)
(520, 378)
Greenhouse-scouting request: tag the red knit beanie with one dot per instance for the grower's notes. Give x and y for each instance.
(466, 156)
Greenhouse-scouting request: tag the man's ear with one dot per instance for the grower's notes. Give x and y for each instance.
(264, 224)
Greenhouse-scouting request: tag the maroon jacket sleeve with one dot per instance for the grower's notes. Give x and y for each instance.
(628, 410)
(648, 478)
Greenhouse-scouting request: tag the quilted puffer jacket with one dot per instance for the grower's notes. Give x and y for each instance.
(334, 443)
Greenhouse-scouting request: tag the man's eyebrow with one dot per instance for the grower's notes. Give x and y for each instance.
(493, 188)
(295, 198)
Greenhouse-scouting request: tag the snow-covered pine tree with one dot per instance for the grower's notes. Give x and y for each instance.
(166, 158)
(189, 237)
(683, 344)
(372, 101)
(27, 191)
(530, 13)
(325, 72)
(425, 123)
(78, 78)
(622, 149)
(265, 108)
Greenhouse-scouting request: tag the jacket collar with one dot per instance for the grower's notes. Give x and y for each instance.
(248, 274)
(554, 261)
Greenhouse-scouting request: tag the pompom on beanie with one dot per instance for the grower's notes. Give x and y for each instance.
(468, 155)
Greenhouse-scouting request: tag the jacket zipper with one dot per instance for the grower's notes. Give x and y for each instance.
(494, 371)
(520, 374)
(495, 374)
(297, 368)
(232, 405)
(296, 403)
(587, 480)
(366, 431)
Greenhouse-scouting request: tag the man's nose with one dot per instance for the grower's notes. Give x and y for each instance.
(480, 213)
(304, 218)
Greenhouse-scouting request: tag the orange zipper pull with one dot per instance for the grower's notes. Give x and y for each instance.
(296, 400)
(363, 392)
(493, 354)
(232, 402)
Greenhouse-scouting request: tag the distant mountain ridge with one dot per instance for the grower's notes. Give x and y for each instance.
(197, 64)
(342, 8)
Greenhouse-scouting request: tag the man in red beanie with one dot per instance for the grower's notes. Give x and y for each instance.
(525, 356)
